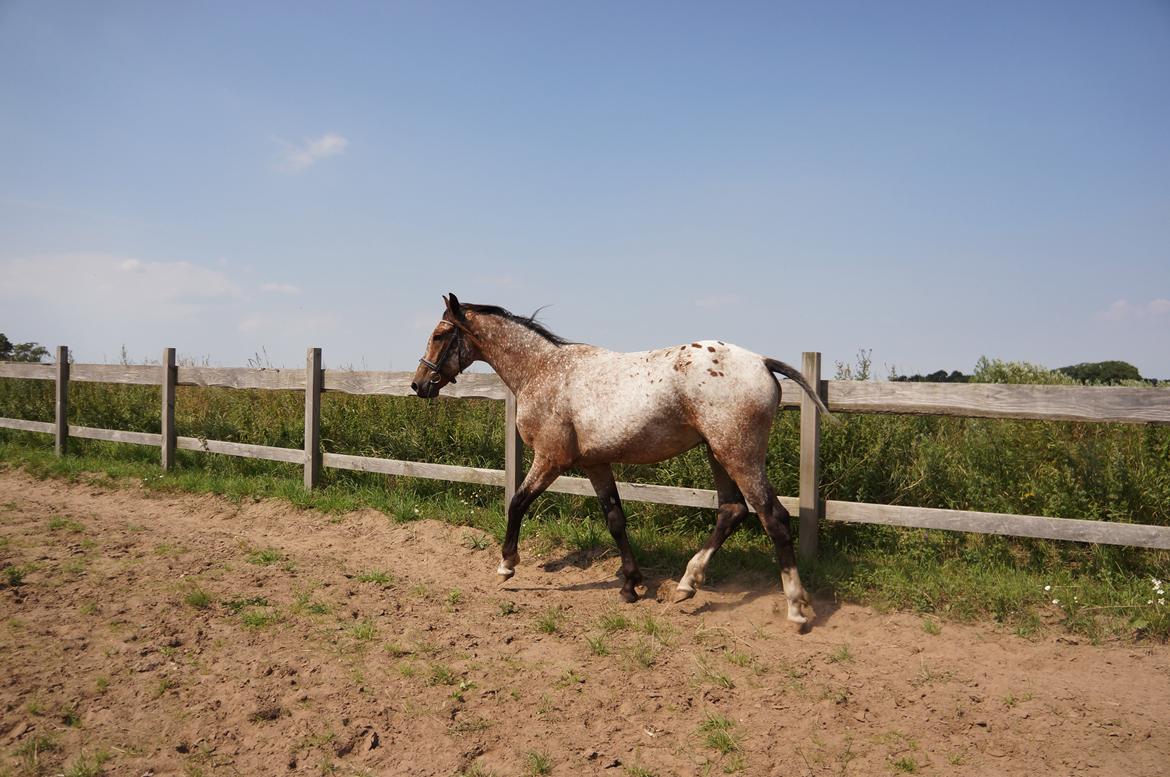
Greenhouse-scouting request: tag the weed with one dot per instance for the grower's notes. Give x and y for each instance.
(14, 576)
(475, 770)
(454, 597)
(538, 763)
(238, 605)
(384, 579)
(841, 655)
(69, 716)
(613, 621)
(85, 766)
(88, 608)
(476, 541)
(597, 645)
(931, 627)
(656, 629)
(638, 771)
(508, 608)
(906, 764)
(738, 658)
(709, 674)
(642, 653)
(569, 679)
(397, 651)
(61, 523)
(441, 675)
(258, 619)
(363, 631)
(198, 598)
(549, 621)
(265, 557)
(102, 683)
(716, 731)
(464, 687)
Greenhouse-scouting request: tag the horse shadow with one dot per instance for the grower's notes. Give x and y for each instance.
(736, 592)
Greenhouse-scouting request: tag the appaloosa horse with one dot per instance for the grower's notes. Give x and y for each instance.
(583, 406)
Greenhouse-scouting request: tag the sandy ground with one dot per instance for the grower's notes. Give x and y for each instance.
(298, 666)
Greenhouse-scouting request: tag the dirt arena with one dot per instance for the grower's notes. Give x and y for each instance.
(148, 634)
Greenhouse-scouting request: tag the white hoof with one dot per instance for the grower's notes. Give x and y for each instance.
(504, 572)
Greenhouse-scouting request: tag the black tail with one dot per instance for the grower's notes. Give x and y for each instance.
(788, 371)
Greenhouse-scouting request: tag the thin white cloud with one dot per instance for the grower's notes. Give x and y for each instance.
(1124, 310)
(280, 288)
(298, 157)
(151, 291)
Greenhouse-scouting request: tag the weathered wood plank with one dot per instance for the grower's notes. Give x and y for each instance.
(62, 401)
(290, 455)
(44, 427)
(471, 385)
(28, 371)
(241, 378)
(1075, 530)
(415, 469)
(513, 452)
(115, 435)
(312, 418)
(650, 492)
(167, 410)
(137, 374)
(810, 458)
(995, 400)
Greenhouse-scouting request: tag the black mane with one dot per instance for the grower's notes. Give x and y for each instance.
(528, 322)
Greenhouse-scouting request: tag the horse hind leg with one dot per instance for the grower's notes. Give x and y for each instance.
(754, 483)
(733, 510)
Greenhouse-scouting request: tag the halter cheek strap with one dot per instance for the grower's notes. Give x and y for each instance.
(442, 357)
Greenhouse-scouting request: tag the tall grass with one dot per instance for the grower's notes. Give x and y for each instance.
(1110, 472)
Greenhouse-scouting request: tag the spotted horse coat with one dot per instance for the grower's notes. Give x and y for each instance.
(587, 407)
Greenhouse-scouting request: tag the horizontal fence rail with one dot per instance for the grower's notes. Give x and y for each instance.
(975, 400)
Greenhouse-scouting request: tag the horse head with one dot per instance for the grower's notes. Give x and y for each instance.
(448, 352)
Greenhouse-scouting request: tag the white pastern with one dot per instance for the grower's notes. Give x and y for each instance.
(505, 571)
(696, 570)
(795, 594)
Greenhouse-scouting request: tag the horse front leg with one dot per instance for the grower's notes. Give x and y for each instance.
(539, 477)
(615, 518)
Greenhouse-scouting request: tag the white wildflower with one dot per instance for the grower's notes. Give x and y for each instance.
(1056, 601)
(1157, 583)
(1162, 602)
(1047, 588)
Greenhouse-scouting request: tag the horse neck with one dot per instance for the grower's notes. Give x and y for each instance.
(514, 351)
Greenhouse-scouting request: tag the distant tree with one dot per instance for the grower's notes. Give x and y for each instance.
(20, 352)
(1107, 372)
(940, 376)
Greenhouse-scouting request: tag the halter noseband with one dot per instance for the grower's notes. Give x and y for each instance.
(442, 357)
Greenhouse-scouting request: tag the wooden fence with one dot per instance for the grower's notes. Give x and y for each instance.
(1064, 403)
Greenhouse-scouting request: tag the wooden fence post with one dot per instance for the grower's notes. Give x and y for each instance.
(313, 382)
(513, 451)
(169, 438)
(811, 507)
(62, 399)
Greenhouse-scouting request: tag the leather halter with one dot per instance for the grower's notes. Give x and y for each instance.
(442, 357)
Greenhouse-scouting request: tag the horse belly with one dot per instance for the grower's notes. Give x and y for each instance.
(635, 438)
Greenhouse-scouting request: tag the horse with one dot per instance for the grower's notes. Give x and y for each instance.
(585, 407)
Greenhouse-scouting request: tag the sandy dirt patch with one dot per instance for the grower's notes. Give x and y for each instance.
(355, 645)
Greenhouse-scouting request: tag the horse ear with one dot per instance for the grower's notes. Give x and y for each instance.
(453, 306)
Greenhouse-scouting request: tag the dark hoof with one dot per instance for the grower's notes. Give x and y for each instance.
(629, 595)
(682, 595)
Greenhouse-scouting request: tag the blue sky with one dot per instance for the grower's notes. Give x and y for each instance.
(932, 181)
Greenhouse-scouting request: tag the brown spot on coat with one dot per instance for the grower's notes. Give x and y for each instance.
(696, 345)
(711, 348)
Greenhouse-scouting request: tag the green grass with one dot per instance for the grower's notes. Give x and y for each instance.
(549, 621)
(198, 598)
(265, 557)
(1104, 471)
(716, 732)
(537, 763)
(384, 579)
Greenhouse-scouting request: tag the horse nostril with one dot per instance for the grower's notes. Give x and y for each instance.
(414, 387)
